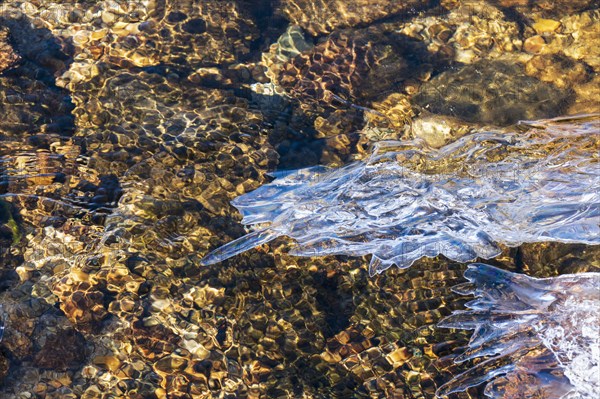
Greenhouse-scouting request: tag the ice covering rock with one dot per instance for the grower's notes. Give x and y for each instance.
(542, 336)
(2, 323)
(539, 181)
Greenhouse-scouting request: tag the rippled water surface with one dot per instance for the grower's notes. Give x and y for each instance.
(128, 127)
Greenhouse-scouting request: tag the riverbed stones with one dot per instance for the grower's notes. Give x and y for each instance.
(324, 16)
(560, 70)
(166, 131)
(468, 32)
(8, 57)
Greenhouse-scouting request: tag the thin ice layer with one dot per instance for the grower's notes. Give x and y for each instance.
(2, 323)
(537, 182)
(542, 336)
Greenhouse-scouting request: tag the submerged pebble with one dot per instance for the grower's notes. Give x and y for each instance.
(496, 92)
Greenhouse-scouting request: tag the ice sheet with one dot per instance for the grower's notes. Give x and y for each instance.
(541, 336)
(539, 181)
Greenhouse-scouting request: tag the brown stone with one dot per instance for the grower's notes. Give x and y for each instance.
(534, 44)
(82, 304)
(544, 25)
(8, 57)
(61, 350)
(111, 363)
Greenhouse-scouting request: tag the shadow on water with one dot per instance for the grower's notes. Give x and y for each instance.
(37, 114)
(38, 104)
(270, 24)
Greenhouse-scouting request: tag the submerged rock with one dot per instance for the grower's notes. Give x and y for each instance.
(408, 201)
(354, 67)
(494, 92)
(337, 68)
(541, 336)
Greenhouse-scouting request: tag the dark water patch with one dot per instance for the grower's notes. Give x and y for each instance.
(334, 302)
(32, 102)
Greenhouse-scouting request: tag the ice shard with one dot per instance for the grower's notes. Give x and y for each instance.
(541, 337)
(539, 181)
(2, 322)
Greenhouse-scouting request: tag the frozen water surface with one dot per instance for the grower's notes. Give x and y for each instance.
(542, 336)
(2, 323)
(539, 181)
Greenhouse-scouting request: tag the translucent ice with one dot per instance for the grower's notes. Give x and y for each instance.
(2, 323)
(541, 336)
(537, 182)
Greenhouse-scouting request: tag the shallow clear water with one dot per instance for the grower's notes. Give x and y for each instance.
(128, 127)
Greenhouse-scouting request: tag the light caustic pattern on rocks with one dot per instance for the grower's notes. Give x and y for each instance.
(542, 335)
(536, 182)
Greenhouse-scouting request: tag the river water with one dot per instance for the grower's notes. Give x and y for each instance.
(128, 127)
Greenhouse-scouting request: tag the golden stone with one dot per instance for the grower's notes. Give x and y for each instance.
(111, 363)
(399, 356)
(545, 25)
